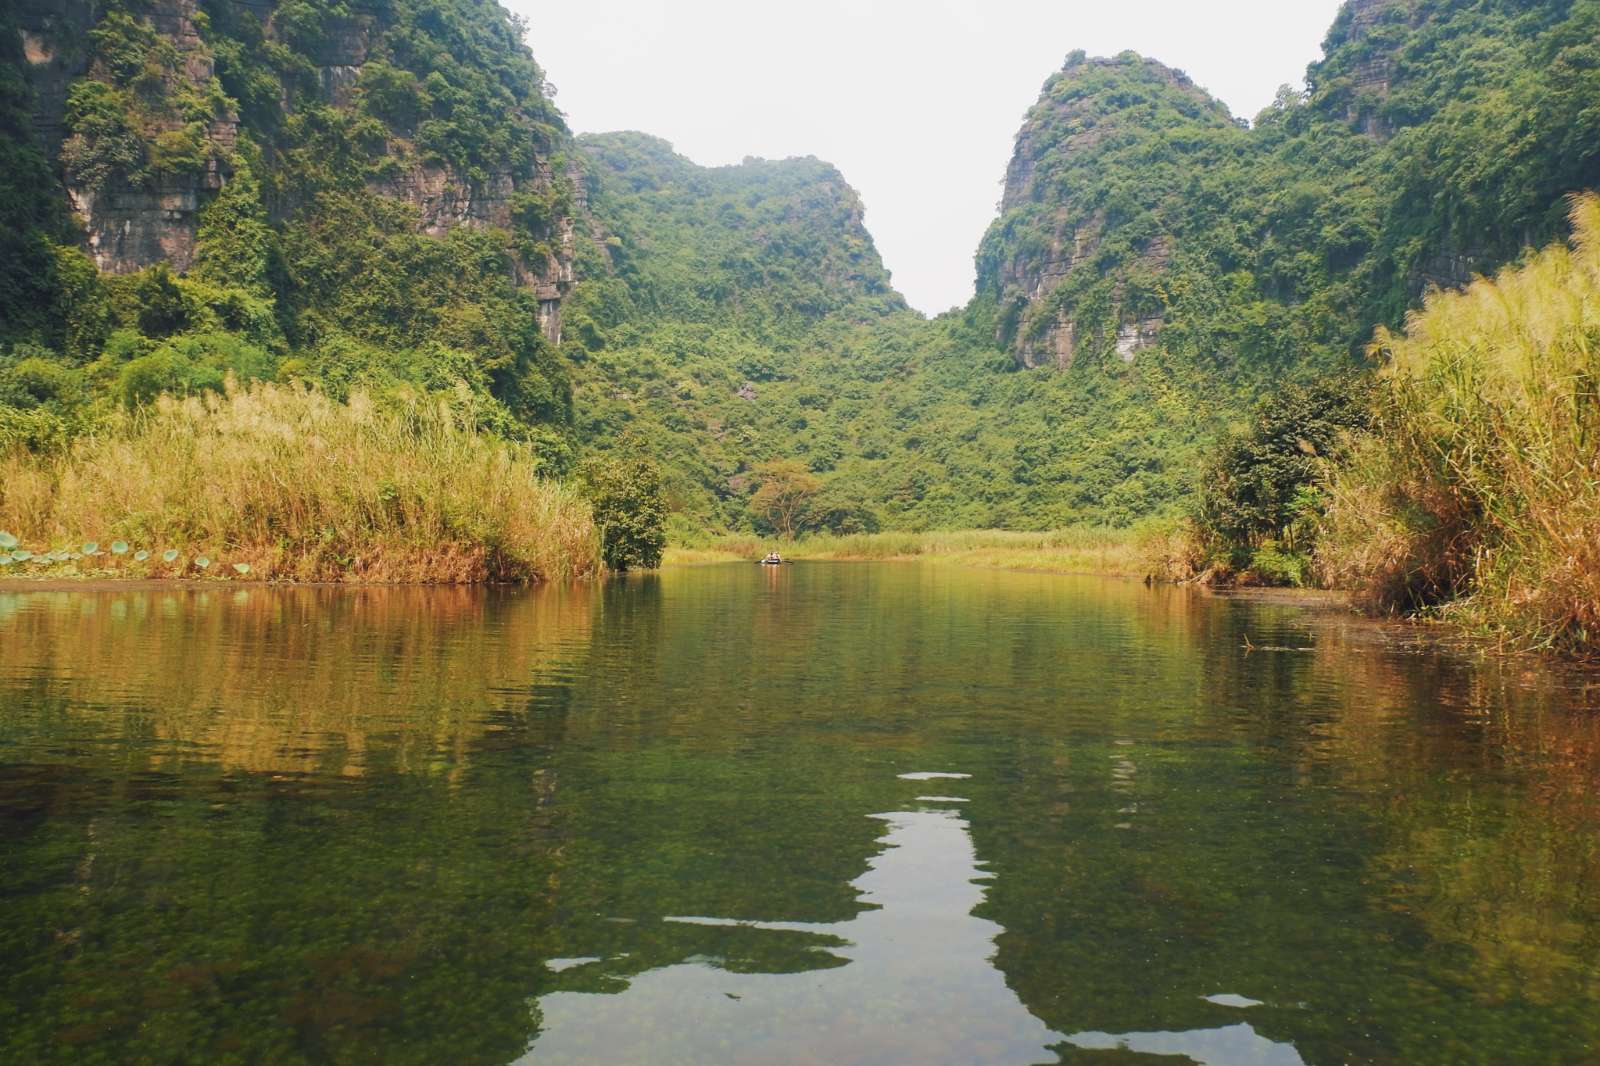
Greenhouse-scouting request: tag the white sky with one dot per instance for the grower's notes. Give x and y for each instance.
(916, 101)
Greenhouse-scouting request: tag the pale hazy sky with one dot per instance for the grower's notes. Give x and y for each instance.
(916, 101)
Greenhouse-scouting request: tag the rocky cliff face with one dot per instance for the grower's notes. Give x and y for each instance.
(142, 208)
(1059, 232)
(129, 221)
(1361, 58)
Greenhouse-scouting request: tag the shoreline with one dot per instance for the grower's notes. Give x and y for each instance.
(1398, 633)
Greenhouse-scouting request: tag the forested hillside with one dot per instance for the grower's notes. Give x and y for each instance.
(380, 196)
(1157, 266)
(386, 198)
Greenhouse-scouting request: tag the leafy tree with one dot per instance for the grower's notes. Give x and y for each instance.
(235, 244)
(630, 510)
(1259, 489)
(785, 496)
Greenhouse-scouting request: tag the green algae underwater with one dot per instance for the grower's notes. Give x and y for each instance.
(825, 813)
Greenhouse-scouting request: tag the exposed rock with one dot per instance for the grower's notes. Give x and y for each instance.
(131, 223)
(50, 29)
(1371, 76)
(1046, 236)
(1136, 336)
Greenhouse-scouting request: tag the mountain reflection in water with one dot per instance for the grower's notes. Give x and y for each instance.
(633, 820)
(918, 985)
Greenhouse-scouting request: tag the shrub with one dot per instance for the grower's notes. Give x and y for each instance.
(630, 509)
(1260, 483)
(1481, 489)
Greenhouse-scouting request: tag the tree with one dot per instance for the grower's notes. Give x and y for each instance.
(785, 496)
(1260, 481)
(630, 510)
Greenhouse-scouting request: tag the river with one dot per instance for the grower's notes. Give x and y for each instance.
(821, 814)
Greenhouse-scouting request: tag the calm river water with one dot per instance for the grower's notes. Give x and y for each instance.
(830, 814)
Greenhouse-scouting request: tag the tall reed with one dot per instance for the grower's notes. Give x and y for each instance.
(1480, 494)
(296, 485)
(1159, 549)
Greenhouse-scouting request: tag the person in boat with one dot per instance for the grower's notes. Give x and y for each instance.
(772, 559)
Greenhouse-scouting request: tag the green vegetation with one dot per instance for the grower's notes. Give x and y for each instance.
(1169, 322)
(1159, 549)
(1479, 492)
(1260, 493)
(347, 280)
(293, 484)
(629, 509)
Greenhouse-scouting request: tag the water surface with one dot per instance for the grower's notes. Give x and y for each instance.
(830, 814)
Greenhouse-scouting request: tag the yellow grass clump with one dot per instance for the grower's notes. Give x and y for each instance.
(1480, 494)
(283, 482)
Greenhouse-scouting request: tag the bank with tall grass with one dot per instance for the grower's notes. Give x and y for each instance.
(1477, 498)
(1154, 549)
(283, 482)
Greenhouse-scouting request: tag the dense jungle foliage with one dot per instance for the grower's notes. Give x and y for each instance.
(736, 323)
(306, 265)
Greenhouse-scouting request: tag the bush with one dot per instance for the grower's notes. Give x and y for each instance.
(1480, 491)
(300, 486)
(630, 509)
(1260, 483)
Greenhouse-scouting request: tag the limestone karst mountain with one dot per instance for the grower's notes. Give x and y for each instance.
(385, 194)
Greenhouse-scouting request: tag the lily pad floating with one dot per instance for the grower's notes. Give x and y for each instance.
(140, 556)
(5, 558)
(169, 555)
(241, 568)
(203, 563)
(119, 547)
(7, 541)
(21, 555)
(90, 547)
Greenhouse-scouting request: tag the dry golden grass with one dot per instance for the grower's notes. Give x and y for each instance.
(297, 486)
(1481, 492)
(1156, 550)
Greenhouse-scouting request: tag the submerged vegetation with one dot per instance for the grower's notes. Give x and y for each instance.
(294, 484)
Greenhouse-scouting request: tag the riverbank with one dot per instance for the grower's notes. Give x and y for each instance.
(281, 483)
(1143, 551)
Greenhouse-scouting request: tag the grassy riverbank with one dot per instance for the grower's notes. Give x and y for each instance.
(1478, 499)
(282, 482)
(1154, 549)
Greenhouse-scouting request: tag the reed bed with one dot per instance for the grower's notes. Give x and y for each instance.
(1479, 498)
(1155, 549)
(275, 481)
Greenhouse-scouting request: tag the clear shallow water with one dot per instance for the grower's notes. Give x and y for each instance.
(825, 814)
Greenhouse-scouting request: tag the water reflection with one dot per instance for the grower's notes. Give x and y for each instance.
(450, 826)
(918, 986)
(1232, 1045)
